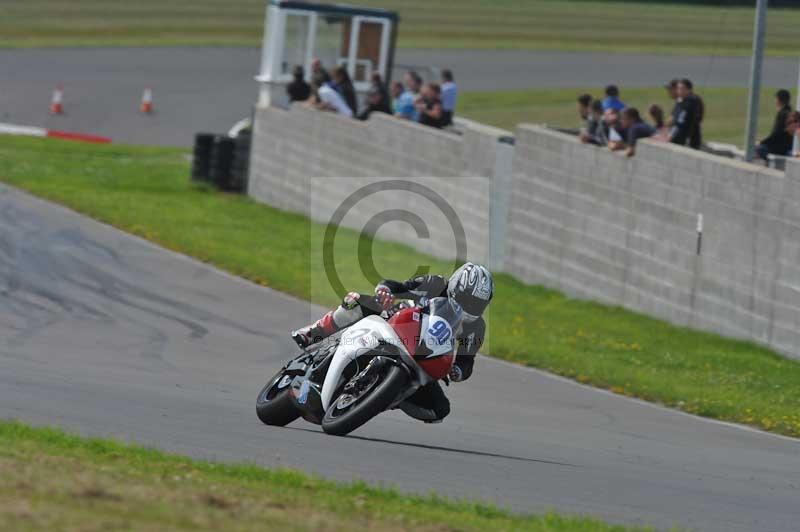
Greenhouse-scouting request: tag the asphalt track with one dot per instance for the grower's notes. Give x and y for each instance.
(208, 89)
(105, 334)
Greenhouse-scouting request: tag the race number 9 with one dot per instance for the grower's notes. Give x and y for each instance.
(440, 331)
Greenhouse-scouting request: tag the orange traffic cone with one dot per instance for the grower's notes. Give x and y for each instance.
(55, 103)
(146, 106)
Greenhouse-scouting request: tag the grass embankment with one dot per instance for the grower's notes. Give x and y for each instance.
(50, 480)
(146, 191)
(499, 24)
(557, 107)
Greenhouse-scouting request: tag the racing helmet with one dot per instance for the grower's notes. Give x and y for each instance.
(472, 287)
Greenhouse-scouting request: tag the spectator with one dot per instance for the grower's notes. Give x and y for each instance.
(688, 116)
(318, 70)
(612, 101)
(672, 92)
(380, 86)
(377, 99)
(635, 129)
(779, 141)
(325, 98)
(696, 139)
(344, 86)
(429, 106)
(298, 90)
(449, 96)
(616, 133)
(413, 83)
(595, 130)
(657, 114)
(403, 102)
(585, 107)
(793, 127)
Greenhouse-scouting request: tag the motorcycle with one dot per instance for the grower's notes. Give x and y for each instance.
(374, 365)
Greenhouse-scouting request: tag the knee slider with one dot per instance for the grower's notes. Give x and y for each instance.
(343, 317)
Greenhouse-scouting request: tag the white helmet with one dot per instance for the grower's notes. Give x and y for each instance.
(472, 287)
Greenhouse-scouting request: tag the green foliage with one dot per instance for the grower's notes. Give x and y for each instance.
(57, 481)
(146, 191)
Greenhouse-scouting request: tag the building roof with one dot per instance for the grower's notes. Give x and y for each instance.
(337, 9)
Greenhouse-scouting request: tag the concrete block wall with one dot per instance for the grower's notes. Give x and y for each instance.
(598, 225)
(309, 162)
(591, 223)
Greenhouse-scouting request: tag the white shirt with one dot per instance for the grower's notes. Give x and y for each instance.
(330, 97)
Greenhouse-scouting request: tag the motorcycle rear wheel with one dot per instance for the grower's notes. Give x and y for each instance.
(274, 406)
(346, 415)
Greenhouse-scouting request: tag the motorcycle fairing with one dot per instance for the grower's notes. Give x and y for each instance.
(360, 339)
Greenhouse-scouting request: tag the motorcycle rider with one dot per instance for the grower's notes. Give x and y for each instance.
(471, 286)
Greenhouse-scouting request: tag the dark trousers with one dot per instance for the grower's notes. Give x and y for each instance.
(429, 403)
(447, 118)
(696, 138)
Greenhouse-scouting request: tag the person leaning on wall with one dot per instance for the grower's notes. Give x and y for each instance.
(298, 90)
(325, 98)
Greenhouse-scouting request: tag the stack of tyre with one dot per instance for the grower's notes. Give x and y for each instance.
(222, 161)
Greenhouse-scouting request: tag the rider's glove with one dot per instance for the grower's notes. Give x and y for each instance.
(384, 297)
(350, 301)
(456, 374)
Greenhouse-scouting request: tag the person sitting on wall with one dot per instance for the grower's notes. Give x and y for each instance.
(779, 141)
(325, 98)
(377, 99)
(344, 86)
(635, 129)
(403, 103)
(595, 130)
(298, 90)
(429, 106)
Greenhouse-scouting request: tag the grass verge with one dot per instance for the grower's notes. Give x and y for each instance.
(146, 191)
(506, 109)
(499, 24)
(55, 481)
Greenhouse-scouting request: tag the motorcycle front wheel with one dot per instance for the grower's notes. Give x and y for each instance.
(274, 406)
(364, 397)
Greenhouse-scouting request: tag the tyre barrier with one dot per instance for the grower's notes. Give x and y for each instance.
(241, 163)
(222, 161)
(219, 167)
(201, 158)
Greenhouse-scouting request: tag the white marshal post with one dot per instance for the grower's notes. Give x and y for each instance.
(755, 78)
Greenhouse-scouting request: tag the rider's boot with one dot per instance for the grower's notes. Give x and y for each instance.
(334, 321)
(316, 332)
